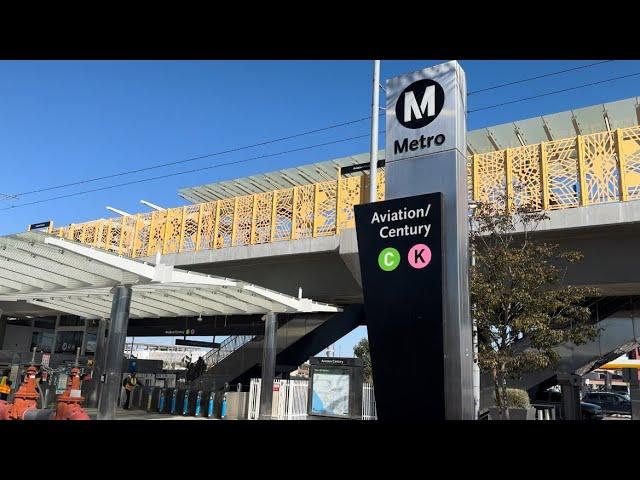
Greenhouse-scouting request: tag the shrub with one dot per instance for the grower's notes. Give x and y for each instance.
(517, 398)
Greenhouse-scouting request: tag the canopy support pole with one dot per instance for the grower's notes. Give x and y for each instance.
(110, 391)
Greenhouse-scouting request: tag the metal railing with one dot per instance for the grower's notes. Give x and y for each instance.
(571, 172)
(230, 345)
(305, 211)
(584, 170)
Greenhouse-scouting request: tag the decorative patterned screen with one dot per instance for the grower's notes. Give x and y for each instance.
(296, 212)
(225, 224)
(562, 171)
(190, 225)
(114, 235)
(172, 233)
(325, 217)
(491, 178)
(243, 218)
(601, 167)
(284, 212)
(141, 242)
(157, 232)
(262, 218)
(631, 150)
(304, 211)
(350, 193)
(525, 176)
(129, 223)
(207, 225)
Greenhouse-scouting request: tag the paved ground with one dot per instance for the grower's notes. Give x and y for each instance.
(142, 415)
(617, 417)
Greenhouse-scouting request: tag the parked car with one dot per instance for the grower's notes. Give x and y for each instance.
(589, 411)
(610, 402)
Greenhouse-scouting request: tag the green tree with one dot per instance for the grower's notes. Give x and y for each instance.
(361, 350)
(517, 293)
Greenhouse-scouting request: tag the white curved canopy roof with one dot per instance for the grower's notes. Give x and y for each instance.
(66, 276)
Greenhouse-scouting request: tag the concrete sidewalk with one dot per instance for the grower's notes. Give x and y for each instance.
(143, 415)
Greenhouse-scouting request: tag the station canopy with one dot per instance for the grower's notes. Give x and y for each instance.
(60, 275)
(544, 128)
(268, 182)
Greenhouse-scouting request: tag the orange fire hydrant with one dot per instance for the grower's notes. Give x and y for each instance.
(26, 396)
(69, 402)
(5, 407)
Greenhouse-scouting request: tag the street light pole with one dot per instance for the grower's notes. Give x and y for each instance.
(476, 364)
(373, 165)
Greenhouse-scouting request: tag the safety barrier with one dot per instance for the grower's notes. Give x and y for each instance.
(589, 169)
(290, 399)
(368, 402)
(305, 211)
(545, 412)
(583, 170)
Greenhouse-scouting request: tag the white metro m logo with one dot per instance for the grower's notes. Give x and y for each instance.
(420, 103)
(411, 106)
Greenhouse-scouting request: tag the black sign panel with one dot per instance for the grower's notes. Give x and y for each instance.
(196, 343)
(35, 226)
(359, 167)
(190, 326)
(401, 262)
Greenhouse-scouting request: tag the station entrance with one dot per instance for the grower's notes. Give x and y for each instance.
(98, 292)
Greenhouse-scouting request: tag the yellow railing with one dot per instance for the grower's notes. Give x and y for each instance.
(315, 210)
(588, 169)
(583, 170)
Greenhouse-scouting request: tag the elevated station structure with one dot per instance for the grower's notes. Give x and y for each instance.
(293, 230)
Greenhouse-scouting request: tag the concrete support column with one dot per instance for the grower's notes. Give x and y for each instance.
(570, 385)
(634, 386)
(634, 390)
(3, 328)
(268, 365)
(98, 365)
(110, 391)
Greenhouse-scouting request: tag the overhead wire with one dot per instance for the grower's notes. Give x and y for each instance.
(175, 174)
(7, 197)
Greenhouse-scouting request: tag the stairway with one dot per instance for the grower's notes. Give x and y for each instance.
(619, 332)
(297, 338)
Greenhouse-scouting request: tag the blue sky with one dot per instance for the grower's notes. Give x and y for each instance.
(65, 121)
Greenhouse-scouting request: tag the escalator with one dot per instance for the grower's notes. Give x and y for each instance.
(618, 333)
(298, 337)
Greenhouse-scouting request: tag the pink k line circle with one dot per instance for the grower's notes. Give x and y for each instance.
(419, 256)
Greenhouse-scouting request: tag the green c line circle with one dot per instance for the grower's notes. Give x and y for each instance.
(389, 259)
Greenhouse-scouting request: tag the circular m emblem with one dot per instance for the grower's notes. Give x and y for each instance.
(420, 104)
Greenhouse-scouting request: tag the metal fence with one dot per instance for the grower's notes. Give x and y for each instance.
(290, 399)
(368, 402)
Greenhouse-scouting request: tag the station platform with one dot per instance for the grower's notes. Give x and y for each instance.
(143, 415)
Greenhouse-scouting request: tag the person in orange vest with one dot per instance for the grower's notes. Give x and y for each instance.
(5, 385)
(129, 384)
